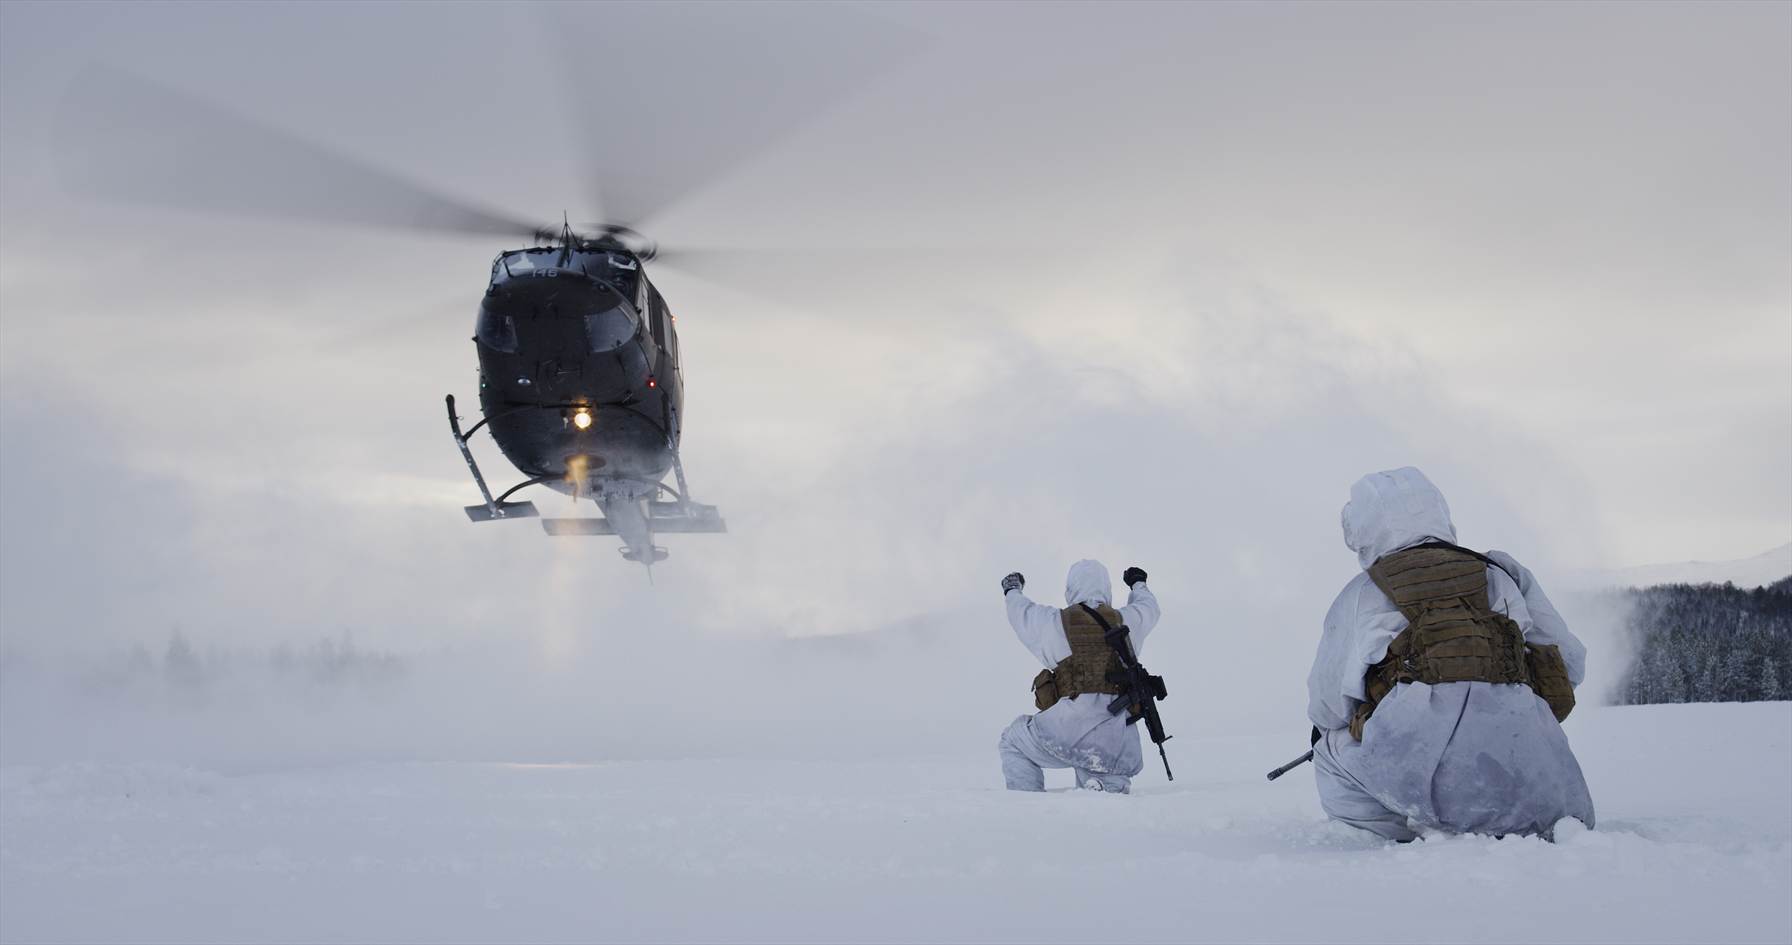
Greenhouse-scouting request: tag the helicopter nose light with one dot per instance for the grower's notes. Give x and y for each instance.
(582, 419)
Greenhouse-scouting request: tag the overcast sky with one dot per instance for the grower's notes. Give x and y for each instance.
(1204, 266)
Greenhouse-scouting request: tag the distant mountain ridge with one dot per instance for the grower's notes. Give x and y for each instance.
(1760, 570)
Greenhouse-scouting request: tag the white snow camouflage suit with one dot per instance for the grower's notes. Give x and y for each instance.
(1465, 757)
(1079, 732)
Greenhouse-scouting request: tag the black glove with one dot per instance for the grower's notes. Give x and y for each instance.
(1013, 582)
(1316, 736)
(1133, 575)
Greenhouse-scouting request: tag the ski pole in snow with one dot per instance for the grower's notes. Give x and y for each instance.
(1290, 766)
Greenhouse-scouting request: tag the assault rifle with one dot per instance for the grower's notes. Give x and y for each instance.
(1303, 759)
(1290, 766)
(1142, 690)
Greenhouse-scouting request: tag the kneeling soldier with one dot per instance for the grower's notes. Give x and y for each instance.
(1075, 727)
(1441, 680)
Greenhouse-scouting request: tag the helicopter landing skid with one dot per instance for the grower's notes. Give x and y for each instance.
(663, 518)
(483, 513)
(493, 509)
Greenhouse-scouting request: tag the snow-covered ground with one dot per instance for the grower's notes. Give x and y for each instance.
(1694, 844)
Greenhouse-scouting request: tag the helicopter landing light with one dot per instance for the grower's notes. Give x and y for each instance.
(582, 419)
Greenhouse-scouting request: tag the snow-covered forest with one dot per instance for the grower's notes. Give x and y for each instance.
(1708, 643)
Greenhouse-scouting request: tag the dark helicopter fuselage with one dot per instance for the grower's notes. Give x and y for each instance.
(579, 377)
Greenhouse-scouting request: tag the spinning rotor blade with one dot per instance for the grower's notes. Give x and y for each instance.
(126, 138)
(758, 267)
(670, 97)
(833, 279)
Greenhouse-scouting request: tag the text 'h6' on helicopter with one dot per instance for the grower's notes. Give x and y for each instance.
(580, 379)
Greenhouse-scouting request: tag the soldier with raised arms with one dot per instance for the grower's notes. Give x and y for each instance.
(1075, 727)
(1441, 680)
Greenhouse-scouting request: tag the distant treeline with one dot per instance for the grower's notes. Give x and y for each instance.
(1709, 643)
(323, 662)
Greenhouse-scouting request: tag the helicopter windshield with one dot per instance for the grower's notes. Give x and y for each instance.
(522, 260)
(609, 329)
(495, 331)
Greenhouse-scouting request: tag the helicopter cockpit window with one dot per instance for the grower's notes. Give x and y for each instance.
(609, 329)
(524, 262)
(496, 331)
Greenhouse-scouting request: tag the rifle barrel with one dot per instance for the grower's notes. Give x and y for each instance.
(1290, 766)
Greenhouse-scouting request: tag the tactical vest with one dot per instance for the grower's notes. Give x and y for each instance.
(1453, 634)
(1090, 664)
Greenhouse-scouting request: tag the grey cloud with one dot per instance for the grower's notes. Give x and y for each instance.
(1249, 253)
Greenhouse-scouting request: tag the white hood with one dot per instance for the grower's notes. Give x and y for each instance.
(1388, 511)
(1088, 583)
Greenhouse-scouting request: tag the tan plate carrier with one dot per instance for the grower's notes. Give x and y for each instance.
(1090, 664)
(1453, 634)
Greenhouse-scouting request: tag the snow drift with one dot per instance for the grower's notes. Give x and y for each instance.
(1695, 844)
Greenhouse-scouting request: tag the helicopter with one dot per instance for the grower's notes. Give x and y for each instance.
(581, 385)
(581, 378)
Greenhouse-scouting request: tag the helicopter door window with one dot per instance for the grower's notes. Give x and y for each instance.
(657, 321)
(669, 325)
(495, 331)
(609, 329)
